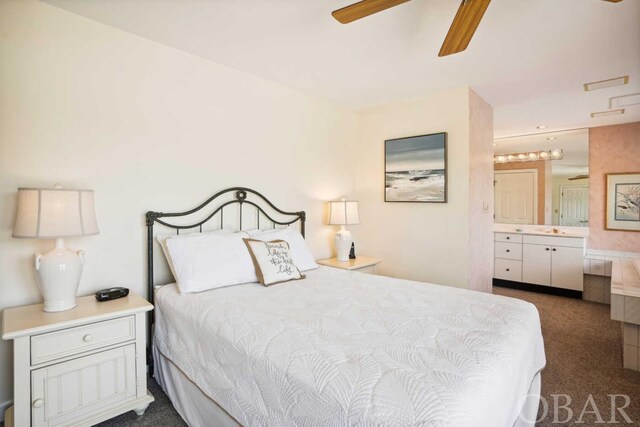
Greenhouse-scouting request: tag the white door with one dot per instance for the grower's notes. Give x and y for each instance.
(83, 386)
(515, 197)
(574, 206)
(536, 264)
(567, 268)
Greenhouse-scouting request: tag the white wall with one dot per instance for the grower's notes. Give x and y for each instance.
(148, 128)
(423, 241)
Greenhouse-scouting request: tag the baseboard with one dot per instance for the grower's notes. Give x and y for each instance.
(537, 288)
(3, 407)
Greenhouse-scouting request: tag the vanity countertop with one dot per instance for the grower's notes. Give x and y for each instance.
(541, 230)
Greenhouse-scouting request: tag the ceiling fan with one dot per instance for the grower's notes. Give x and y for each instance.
(460, 33)
(574, 178)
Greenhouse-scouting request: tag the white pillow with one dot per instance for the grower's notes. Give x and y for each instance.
(162, 239)
(256, 231)
(209, 261)
(272, 261)
(299, 251)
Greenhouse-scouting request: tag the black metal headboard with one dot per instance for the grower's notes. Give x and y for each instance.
(241, 196)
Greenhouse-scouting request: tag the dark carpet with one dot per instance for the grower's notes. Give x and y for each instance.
(159, 413)
(584, 358)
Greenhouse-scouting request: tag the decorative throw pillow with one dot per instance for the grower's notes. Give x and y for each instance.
(272, 261)
(300, 253)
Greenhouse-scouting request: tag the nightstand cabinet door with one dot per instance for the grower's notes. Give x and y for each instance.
(78, 388)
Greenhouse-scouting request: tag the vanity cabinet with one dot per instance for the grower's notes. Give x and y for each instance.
(546, 260)
(508, 256)
(553, 261)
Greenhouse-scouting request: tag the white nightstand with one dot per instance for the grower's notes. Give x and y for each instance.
(364, 264)
(78, 367)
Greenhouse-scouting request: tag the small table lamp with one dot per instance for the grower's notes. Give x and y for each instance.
(343, 213)
(54, 213)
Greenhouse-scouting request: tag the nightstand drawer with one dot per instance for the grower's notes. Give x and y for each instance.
(67, 342)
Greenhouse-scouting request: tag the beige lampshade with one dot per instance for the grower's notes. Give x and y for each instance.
(343, 212)
(50, 213)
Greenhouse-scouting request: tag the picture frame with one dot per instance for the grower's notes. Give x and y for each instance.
(622, 204)
(415, 169)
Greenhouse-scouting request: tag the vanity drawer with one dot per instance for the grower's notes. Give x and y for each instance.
(508, 269)
(508, 250)
(67, 342)
(508, 237)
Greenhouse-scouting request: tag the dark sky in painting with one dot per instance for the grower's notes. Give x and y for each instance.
(415, 153)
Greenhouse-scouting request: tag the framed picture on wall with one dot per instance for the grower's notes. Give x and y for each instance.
(623, 201)
(415, 169)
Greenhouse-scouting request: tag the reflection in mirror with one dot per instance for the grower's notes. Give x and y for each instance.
(542, 179)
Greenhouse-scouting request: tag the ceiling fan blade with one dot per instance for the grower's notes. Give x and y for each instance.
(579, 177)
(613, 1)
(363, 8)
(464, 26)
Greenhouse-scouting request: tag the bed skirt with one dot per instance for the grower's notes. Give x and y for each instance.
(193, 405)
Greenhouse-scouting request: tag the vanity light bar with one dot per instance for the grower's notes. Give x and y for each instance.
(607, 113)
(602, 84)
(531, 156)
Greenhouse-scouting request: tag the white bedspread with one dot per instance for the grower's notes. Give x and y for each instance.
(345, 348)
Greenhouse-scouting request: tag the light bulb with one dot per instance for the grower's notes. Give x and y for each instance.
(556, 154)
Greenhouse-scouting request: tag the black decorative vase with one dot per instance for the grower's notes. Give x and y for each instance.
(352, 252)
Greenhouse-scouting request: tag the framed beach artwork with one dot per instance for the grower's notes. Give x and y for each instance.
(415, 169)
(623, 201)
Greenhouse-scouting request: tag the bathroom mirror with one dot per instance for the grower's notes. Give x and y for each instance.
(542, 179)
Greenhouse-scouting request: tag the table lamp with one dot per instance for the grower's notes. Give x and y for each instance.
(56, 213)
(343, 213)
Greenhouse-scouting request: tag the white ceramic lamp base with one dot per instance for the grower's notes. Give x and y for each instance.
(59, 272)
(342, 241)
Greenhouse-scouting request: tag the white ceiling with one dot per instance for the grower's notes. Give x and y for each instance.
(528, 59)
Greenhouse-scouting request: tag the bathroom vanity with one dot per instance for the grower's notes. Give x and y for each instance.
(551, 261)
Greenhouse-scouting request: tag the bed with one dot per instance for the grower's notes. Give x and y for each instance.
(343, 348)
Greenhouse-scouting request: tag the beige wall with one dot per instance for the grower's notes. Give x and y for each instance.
(146, 127)
(612, 149)
(425, 241)
(149, 127)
